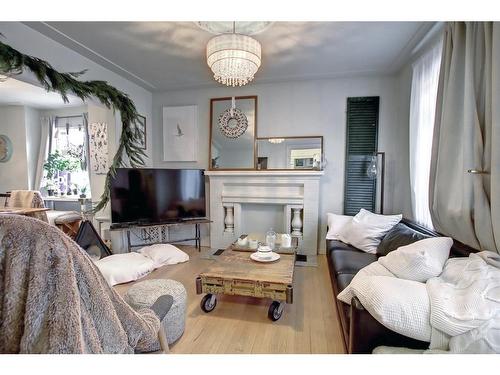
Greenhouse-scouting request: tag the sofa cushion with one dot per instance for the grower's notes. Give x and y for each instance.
(420, 260)
(366, 230)
(400, 235)
(344, 280)
(346, 261)
(332, 245)
(335, 223)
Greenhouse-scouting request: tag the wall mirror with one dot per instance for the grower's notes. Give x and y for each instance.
(233, 126)
(290, 153)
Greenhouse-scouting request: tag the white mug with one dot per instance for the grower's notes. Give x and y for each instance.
(253, 244)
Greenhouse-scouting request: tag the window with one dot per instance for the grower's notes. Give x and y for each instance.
(66, 167)
(304, 158)
(424, 88)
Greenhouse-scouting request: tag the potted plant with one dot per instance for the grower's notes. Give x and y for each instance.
(57, 162)
(50, 187)
(83, 192)
(75, 189)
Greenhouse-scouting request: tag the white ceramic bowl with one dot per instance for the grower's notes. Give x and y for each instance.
(264, 249)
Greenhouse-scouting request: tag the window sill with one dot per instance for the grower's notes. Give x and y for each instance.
(63, 199)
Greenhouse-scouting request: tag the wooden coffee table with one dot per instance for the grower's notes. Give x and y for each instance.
(234, 273)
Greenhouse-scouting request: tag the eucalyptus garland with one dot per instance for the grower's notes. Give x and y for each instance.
(13, 62)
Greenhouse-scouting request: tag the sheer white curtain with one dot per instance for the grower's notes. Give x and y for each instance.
(424, 88)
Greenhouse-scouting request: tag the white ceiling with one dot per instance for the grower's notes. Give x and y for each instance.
(171, 55)
(15, 92)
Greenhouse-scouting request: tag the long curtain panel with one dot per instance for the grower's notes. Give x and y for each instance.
(424, 87)
(465, 167)
(46, 124)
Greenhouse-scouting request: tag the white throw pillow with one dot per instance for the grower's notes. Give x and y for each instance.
(420, 260)
(366, 230)
(373, 269)
(335, 223)
(400, 305)
(123, 268)
(163, 254)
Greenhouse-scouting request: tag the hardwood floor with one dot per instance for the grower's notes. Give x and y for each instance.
(240, 324)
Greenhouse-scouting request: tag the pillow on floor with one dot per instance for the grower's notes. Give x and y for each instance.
(163, 254)
(335, 223)
(400, 305)
(366, 230)
(123, 268)
(420, 260)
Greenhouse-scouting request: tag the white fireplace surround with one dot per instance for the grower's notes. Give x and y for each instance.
(295, 192)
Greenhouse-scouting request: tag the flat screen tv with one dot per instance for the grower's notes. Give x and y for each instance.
(155, 196)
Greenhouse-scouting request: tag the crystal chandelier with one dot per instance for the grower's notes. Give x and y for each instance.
(233, 58)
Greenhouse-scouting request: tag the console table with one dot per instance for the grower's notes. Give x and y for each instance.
(152, 234)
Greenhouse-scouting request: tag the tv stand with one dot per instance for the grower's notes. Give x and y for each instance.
(152, 234)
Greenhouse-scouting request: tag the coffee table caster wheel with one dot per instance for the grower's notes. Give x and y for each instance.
(208, 303)
(275, 310)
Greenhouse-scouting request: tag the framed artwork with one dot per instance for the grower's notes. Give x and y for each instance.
(141, 125)
(98, 147)
(180, 142)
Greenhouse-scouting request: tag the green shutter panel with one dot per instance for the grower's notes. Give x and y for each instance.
(361, 143)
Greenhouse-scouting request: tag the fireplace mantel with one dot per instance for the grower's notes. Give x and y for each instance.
(295, 193)
(293, 173)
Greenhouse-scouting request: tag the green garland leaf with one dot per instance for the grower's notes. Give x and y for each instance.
(13, 62)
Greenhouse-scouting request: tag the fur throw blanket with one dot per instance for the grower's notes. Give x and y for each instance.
(53, 299)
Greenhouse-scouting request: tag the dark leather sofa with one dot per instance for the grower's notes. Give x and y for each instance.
(361, 332)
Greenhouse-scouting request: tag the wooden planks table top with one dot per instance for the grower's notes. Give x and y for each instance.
(22, 210)
(238, 265)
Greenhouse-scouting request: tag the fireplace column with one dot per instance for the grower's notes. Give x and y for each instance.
(296, 222)
(229, 219)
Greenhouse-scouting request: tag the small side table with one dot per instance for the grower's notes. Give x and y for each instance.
(100, 220)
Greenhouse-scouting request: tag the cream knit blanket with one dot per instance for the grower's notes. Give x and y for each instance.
(465, 305)
(54, 300)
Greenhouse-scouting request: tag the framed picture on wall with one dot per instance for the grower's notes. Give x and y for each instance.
(141, 126)
(180, 142)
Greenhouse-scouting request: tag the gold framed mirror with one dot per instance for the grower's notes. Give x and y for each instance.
(233, 129)
(290, 153)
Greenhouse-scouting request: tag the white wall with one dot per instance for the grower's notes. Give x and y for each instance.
(309, 108)
(14, 173)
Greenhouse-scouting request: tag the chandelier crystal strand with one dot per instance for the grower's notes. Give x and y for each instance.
(233, 58)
